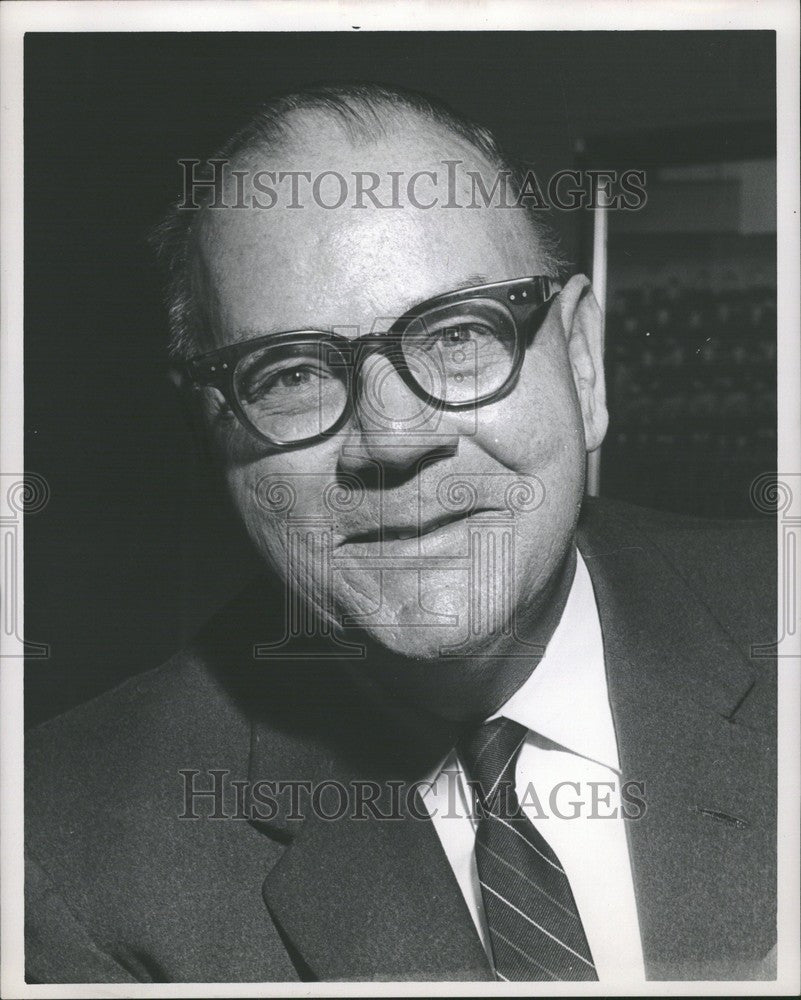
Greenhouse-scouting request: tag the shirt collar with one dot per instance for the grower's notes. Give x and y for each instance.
(565, 699)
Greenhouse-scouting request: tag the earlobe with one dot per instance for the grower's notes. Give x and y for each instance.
(582, 322)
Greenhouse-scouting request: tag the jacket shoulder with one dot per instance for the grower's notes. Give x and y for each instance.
(128, 876)
(730, 566)
(122, 751)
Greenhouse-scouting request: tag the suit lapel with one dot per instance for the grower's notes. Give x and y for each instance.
(372, 898)
(353, 899)
(676, 682)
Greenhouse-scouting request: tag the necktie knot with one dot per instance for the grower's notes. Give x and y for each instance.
(489, 755)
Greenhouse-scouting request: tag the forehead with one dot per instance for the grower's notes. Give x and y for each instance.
(281, 268)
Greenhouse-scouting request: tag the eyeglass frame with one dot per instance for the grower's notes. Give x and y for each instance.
(216, 369)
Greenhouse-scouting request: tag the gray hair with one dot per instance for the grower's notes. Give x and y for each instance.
(364, 110)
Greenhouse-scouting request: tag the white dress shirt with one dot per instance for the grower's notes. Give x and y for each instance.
(565, 706)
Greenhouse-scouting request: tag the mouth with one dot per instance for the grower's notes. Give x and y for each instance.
(402, 532)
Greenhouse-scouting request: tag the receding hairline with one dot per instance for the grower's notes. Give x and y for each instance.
(304, 125)
(366, 114)
(365, 111)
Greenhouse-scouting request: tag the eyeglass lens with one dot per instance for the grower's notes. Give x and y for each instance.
(455, 353)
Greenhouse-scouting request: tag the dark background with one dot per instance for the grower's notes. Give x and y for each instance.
(135, 547)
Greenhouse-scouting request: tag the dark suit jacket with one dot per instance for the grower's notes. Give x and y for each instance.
(121, 888)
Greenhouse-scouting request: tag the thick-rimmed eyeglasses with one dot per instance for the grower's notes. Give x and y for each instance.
(456, 351)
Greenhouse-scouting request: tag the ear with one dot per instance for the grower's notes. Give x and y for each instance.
(192, 416)
(582, 323)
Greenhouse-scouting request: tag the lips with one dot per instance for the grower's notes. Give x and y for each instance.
(403, 532)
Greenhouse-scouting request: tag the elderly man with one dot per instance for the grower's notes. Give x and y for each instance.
(470, 725)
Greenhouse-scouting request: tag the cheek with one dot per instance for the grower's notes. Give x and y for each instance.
(259, 507)
(537, 428)
(276, 494)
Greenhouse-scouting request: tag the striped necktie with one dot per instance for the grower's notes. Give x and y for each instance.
(535, 929)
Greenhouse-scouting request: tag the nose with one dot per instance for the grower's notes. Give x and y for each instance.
(392, 426)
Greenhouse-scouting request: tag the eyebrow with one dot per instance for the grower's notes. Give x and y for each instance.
(473, 279)
(250, 333)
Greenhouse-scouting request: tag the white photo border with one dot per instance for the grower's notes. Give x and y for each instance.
(16, 19)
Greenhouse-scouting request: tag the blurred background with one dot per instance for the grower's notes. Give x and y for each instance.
(135, 548)
(691, 323)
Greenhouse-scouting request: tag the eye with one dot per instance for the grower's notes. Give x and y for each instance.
(462, 333)
(292, 377)
(281, 380)
(456, 334)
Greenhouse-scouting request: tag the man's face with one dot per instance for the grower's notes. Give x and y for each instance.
(395, 549)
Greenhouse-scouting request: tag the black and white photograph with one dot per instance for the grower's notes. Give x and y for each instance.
(400, 414)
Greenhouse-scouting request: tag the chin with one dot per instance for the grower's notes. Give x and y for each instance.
(424, 615)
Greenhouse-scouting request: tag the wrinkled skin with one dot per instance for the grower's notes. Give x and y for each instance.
(355, 270)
